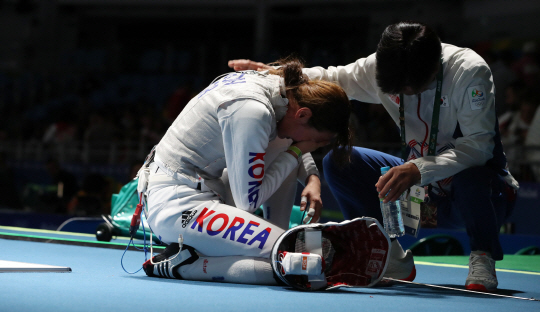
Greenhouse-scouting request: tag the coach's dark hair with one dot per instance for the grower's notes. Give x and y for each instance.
(407, 56)
(329, 104)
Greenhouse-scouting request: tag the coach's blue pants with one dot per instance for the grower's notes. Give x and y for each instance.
(478, 198)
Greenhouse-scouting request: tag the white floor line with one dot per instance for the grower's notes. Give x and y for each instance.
(460, 289)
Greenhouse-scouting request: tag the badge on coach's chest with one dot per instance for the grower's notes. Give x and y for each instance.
(445, 101)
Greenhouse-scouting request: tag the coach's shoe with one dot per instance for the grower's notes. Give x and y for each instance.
(166, 264)
(401, 264)
(482, 275)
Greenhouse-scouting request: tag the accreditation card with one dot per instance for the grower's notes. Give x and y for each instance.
(410, 209)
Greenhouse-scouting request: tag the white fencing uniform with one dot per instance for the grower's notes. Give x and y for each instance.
(228, 125)
(277, 208)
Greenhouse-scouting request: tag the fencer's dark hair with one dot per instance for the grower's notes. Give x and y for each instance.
(329, 105)
(407, 56)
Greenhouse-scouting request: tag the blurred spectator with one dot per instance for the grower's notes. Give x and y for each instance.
(532, 141)
(94, 197)
(512, 94)
(61, 131)
(9, 196)
(99, 130)
(519, 123)
(514, 134)
(66, 187)
(99, 133)
(528, 66)
(128, 123)
(503, 76)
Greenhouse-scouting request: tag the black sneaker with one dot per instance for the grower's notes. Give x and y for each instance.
(166, 264)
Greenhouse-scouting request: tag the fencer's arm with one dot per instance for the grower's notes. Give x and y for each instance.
(308, 175)
(312, 194)
(307, 168)
(246, 128)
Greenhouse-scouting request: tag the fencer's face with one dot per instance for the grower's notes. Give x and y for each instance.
(295, 126)
(300, 133)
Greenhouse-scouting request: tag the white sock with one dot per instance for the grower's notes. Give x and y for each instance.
(232, 269)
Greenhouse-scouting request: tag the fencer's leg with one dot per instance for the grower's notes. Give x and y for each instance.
(232, 269)
(235, 241)
(228, 197)
(277, 209)
(183, 262)
(233, 245)
(279, 206)
(218, 230)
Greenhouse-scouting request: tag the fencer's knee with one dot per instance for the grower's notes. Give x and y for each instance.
(327, 161)
(330, 166)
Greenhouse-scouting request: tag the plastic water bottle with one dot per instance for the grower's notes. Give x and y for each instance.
(391, 212)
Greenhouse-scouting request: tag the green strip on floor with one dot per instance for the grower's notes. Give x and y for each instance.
(510, 262)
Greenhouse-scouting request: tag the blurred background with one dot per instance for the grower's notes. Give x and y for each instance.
(87, 87)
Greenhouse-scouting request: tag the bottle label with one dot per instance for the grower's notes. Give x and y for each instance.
(410, 209)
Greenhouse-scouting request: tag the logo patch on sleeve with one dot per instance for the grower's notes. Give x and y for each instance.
(477, 97)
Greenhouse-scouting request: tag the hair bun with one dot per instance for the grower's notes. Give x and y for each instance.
(291, 71)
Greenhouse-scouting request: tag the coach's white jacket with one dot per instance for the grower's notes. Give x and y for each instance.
(229, 125)
(468, 130)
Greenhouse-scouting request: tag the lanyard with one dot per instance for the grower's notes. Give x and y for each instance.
(434, 119)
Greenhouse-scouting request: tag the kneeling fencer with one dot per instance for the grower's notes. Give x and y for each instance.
(235, 147)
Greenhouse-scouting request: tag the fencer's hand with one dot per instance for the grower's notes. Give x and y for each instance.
(312, 194)
(309, 146)
(247, 65)
(397, 180)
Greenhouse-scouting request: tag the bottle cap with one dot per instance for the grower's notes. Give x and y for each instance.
(384, 170)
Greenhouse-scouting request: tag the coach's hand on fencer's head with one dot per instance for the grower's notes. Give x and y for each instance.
(247, 65)
(396, 181)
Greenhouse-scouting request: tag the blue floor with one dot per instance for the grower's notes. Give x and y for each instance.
(98, 282)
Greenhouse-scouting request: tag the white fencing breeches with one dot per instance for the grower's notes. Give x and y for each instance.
(212, 228)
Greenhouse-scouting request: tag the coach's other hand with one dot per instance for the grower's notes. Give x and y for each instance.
(396, 181)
